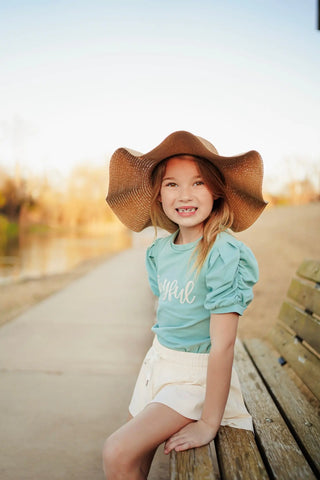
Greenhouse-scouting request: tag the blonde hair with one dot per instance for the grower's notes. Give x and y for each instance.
(220, 219)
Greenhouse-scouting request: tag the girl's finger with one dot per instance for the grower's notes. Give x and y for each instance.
(175, 438)
(172, 446)
(179, 445)
(183, 446)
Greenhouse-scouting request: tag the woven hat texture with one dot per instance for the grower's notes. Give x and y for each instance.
(130, 190)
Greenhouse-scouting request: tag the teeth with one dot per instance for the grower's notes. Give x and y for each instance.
(186, 209)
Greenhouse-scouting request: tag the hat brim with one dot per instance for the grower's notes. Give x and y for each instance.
(130, 190)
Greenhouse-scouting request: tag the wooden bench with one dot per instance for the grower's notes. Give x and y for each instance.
(281, 387)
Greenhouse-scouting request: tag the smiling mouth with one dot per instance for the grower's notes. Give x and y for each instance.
(186, 210)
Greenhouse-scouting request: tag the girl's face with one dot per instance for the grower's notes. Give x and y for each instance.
(185, 198)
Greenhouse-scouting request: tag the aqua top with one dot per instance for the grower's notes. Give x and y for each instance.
(186, 299)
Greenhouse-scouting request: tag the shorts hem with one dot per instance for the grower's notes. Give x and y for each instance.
(242, 424)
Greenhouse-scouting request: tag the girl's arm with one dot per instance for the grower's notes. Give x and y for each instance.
(223, 330)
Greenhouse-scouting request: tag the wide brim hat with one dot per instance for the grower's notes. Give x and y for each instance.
(130, 188)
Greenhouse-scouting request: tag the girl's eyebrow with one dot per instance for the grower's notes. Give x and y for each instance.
(168, 178)
(196, 177)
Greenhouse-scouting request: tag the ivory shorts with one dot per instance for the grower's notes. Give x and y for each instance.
(178, 380)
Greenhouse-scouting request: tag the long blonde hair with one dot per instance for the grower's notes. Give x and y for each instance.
(220, 219)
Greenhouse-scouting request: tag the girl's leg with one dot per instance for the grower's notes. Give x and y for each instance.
(146, 465)
(128, 452)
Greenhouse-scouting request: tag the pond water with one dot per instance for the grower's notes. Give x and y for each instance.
(35, 255)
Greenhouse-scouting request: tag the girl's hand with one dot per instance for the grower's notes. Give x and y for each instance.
(194, 434)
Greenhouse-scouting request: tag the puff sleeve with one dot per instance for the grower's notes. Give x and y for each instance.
(231, 275)
(152, 269)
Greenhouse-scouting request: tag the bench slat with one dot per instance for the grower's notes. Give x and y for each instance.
(194, 464)
(238, 455)
(310, 269)
(285, 459)
(303, 362)
(305, 325)
(296, 407)
(305, 294)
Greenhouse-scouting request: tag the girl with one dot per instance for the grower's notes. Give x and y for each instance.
(203, 278)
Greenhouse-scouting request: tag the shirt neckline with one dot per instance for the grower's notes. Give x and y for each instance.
(184, 246)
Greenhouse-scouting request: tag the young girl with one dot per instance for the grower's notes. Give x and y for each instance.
(203, 277)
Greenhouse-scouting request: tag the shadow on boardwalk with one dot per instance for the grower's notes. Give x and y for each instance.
(68, 367)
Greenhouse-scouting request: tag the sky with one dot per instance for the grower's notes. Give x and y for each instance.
(79, 79)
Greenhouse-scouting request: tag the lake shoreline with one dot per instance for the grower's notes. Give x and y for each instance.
(16, 297)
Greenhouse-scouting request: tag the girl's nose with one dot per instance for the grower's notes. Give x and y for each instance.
(185, 194)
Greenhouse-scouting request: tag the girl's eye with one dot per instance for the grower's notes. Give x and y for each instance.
(199, 182)
(171, 184)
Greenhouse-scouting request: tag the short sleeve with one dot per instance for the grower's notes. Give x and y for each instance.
(152, 269)
(232, 273)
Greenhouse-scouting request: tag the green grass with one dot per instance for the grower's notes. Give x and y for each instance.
(7, 228)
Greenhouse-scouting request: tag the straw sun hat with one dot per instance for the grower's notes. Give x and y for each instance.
(130, 189)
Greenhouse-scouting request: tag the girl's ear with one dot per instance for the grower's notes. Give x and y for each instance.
(159, 198)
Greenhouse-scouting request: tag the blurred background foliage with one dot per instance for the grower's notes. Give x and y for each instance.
(77, 202)
(38, 203)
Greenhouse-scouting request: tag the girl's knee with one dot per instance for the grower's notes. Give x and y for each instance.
(111, 453)
(116, 461)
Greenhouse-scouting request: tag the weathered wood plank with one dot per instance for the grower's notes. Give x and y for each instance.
(300, 413)
(305, 294)
(194, 464)
(303, 362)
(238, 455)
(280, 450)
(310, 269)
(305, 325)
